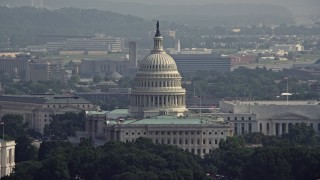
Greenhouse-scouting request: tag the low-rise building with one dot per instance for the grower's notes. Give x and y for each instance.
(193, 134)
(272, 117)
(38, 110)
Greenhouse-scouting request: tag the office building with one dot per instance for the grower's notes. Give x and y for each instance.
(15, 67)
(201, 62)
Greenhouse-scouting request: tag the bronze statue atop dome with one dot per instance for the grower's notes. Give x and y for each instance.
(158, 31)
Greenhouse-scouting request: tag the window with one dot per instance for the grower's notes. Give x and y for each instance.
(186, 141)
(198, 132)
(209, 133)
(260, 127)
(198, 141)
(210, 142)
(228, 118)
(221, 133)
(242, 118)
(180, 132)
(204, 133)
(162, 132)
(180, 141)
(127, 133)
(203, 151)
(191, 141)
(156, 132)
(235, 118)
(249, 118)
(204, 141)
(157, 141)
(215, 141)
(138, 133)
(132, 133)
(168, 142)
(186, 132)
(168, 132)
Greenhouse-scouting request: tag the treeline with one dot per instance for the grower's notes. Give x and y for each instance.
(258, 83)
(295, 155)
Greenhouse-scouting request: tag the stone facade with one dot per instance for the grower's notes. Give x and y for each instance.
(275, 117)
(7, 149)
(38, 110)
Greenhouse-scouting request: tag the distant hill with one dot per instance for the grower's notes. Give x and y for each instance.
(22, 24)
(204, 15)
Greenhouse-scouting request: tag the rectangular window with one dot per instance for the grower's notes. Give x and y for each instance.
(250, 127)
(186, 141)
(204, 141)
(260, 127)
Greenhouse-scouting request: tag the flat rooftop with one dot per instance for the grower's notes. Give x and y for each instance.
(290, 103)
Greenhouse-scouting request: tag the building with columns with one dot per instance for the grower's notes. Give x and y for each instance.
(158, 85)
(7, 150)
(271, 117)
(157, 111)
(39, 109)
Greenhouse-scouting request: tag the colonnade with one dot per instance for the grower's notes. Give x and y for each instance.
(158, 100)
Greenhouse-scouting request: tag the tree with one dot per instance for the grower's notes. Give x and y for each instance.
(97, 79)
(14, 126)
(24, 150)
(301, 134)
(64, 125)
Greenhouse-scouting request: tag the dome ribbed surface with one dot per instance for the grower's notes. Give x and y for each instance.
(158, 62)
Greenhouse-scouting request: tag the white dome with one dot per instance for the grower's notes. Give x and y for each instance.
(158, 62)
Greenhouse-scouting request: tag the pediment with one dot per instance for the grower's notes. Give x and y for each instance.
(289, 116)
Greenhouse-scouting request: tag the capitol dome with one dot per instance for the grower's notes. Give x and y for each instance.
(157, 85)
(158, 62)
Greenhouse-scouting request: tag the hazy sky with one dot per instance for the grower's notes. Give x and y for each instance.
(297, 6)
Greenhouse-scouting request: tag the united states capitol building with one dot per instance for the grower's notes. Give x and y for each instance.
(158, 111)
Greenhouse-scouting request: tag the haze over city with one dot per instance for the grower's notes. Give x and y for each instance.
(150, 89)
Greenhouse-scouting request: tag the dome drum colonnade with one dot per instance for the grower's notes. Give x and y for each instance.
(157, 84)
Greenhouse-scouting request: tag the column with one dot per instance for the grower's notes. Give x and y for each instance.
(162, 100)
(274, 129)
(158, 99)
(149, 99)
(280, 129)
